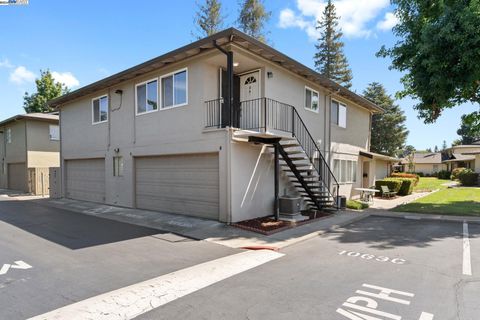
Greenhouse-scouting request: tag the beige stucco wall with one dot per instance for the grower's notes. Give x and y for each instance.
(427, 168)
(381, 169)
(14, 152)
(42, 151)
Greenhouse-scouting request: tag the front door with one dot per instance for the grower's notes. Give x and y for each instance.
(366, 174)
(250, 86)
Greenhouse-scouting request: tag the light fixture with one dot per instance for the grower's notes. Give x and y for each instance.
(119, 91)
(236, 64)
(269, 74)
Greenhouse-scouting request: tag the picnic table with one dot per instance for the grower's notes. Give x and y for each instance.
(367, 194)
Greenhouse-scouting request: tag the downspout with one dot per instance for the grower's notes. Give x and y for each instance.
(229, 93)
(276, 207)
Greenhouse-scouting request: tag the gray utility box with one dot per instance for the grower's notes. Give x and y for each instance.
(290, 205)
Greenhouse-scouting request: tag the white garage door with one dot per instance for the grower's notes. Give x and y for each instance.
(184, 184)
(85, 179)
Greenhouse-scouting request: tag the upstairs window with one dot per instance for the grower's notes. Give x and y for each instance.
(338, 114)
(9, 135)
(174, 89)
(100, 109)
(311, 99)
(54, 132)
(147, 96)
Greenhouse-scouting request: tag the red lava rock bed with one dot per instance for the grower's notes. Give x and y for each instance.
(268, 225)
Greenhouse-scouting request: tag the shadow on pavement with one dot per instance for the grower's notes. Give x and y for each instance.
(66, 228)
(388, 233)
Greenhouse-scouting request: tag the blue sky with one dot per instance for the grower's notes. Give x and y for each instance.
(84, 41)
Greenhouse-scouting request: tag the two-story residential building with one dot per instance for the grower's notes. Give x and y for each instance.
(30, 146)
(216, 129)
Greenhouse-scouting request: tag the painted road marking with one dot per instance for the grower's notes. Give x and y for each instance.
(367, 256)
(364, 307)
(467, 264)
(132, 301)
(17, 265)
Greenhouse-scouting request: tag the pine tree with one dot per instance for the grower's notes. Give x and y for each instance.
(253, 17)
(444, 145)
(330, 59)
(389, 132)
(435, 149)
(209, 18)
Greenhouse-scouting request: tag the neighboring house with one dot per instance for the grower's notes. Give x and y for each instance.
(428, 163)
(376, 167)
(31, 145)
(462, 156)
(196, 131)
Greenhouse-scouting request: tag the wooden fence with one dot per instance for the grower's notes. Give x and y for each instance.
(38, 181)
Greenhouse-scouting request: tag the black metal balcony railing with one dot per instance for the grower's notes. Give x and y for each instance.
(267, 115)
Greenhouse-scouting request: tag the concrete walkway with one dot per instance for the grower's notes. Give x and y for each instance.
(387, 204)
(202, 229)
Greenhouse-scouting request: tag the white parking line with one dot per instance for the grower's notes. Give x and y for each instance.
(426, 316)
(467, 265)
(132, 301)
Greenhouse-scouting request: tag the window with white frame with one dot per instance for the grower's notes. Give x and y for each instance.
(147, 96)
(345, 170)
(311, 99)
(100, 109)
(338, 114)
(54, 132)
(174, 89)
(118, 166)
(9, 135)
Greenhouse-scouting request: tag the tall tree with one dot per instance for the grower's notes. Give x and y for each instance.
(469, 130)
(438, 53)
(444, 145)
(47, 89)
(253, 17)
(329, 58)
(209, 18)
(389, 133)
(435, 149)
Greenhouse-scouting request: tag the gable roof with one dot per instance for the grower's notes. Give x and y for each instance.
(225, 37)
(460, 157)
(32, 116)
(426, 158)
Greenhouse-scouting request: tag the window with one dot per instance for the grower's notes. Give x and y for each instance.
(118, 166)
(100, 109)
(345, 170)
(9, 135)
(54, 132)
(338, 114)
(174, 89)
(311, 99)
(147, 96)
(435, 168)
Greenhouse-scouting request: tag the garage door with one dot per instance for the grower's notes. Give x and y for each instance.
(85, 179)
(17, 176)
(186, 184)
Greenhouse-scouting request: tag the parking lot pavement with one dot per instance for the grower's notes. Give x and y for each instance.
(382, 268)
(50, 257)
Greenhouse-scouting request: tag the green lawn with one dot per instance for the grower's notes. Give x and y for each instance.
(430, 184)
(454, 201)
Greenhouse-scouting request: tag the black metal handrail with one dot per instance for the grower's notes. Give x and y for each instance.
(268, 114)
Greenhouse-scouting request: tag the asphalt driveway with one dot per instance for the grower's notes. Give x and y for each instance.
(52, 257)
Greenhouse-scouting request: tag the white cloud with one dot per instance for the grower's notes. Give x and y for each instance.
(355, 16)
(67, 78)
(389, 21)
(22, 75)
(5, 63)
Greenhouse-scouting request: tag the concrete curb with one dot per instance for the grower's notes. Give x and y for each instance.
(426, 216)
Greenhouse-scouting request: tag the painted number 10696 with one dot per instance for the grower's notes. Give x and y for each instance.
(367, 256)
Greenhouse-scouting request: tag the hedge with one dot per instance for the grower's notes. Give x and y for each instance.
(444, 174)
(415, 176)
(392, 184)
(468, 178)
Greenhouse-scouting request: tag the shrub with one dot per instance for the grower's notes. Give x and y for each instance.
(356, 205)
(393, 184)
(456, 172)
(468, 178)
(415, 176)
(444, 174)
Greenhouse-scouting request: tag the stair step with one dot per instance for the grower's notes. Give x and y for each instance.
(294, 152)
(290, 145)
(300, 170)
